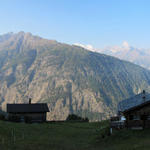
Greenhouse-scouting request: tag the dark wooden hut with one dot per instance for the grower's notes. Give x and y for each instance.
(27, 112)
(136, 111)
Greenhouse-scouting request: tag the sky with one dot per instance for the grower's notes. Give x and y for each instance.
(100, 23)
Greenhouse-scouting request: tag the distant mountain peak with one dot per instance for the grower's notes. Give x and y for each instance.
(124, 51)
(25, 39)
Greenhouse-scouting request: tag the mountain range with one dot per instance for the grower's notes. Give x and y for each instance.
(139, 56)
(71, 79)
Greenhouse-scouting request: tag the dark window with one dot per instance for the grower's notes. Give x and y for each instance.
(144, 117)
(136, 117)
(148, 117)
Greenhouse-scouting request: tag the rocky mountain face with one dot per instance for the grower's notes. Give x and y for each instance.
(69, 78)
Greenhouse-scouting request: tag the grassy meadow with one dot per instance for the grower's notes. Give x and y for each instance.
(70, 136)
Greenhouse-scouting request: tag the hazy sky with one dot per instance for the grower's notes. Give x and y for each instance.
(97, 22)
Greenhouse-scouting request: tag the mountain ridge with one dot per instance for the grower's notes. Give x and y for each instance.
(69, 78)
(139, 56)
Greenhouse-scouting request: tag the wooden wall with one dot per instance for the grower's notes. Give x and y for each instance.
(139, 117)
(27, 117)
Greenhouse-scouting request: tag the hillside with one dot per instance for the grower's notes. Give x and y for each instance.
(69, 78)
(70, 136)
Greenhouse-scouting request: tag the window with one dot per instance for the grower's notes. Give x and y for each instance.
(148, 117)
(136, 117)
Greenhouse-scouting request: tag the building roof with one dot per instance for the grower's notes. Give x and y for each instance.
(147, 103)
(27, 108)
(134, 101)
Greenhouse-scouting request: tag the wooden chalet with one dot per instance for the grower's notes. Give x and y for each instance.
(35, 112)
(136, 111)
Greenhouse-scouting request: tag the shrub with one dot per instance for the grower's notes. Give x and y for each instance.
(14, 118)
(2, 117)
(73, 117)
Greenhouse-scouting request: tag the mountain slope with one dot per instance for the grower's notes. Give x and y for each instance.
(69, 78)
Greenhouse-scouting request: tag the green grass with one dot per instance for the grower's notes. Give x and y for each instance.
(70, 136)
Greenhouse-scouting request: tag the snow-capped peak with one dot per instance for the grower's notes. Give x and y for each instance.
(125, 44)
(88, 46)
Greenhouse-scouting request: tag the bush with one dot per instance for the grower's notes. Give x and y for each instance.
(73, 117)
(14, 118)
(2, 117)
